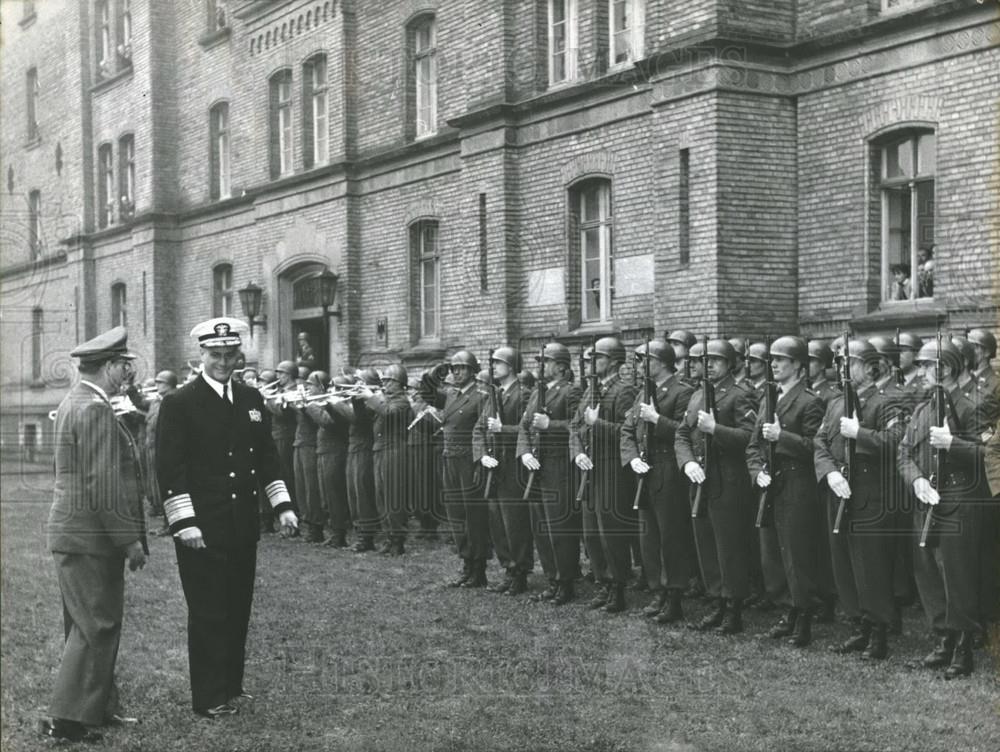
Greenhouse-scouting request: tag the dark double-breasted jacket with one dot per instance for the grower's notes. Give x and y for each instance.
(212, 459)
(670, 399)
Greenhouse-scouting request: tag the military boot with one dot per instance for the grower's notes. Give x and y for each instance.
(548, 593)
(961, 660)
(673, 611)
(656, 605)
(465, 575)
(941, 655)
(503, 586)
(336, 540)
(477, 579)
(616, 599)
(565, 594)
(364, 543)
(785, 625)
(857, 641)
(712, 619)
(600, 597)
(396, 548)
(518, 584)
(732, 622)
(803, 630)
(878, 644)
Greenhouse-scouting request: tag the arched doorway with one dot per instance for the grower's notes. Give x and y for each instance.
(301, 313)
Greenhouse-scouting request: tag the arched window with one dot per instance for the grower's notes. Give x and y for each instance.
(591, 238)
(907, 165)
(222, 290)
(219, 150)
(119, 305)
(315, 121)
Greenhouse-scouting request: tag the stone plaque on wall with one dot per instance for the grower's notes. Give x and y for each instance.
(634, 275)
(547, 286)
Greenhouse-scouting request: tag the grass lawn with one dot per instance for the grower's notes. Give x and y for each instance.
(360, 652)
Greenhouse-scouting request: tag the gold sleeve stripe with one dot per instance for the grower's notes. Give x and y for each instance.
(277, 493)
(178, 508)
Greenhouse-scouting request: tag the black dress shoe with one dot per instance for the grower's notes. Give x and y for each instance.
(364, 544)
(802, 635)
(548, 593)
(72, 731)
(462, 578)
(712, 619)
(477, 578)
(673, 611)
(785, 625)
(827, 613)
(858, 640)
(219, 711)
(337, 540)
(878, 645)
(732, 622)
(961, 660)
(518, 585)
(501, 587)
(656, 605)
(565, 594)
(941, 655)
(616, 600)
(243, 695)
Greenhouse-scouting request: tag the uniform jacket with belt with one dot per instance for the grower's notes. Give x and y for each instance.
(212, 456)
(561, 401)
(392, 415)
(511, 403)
(735, 408)
(97, 499)
(459, 416)
(800, 414)
(332, 433)
(670, 399)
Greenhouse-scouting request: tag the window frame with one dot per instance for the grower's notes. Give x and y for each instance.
(282, 124)
(570, 49)
(106, 185)
(37, 332)
(33, 91)
(119, 304)
(604, 224)
(912, 184)
(220, 158)
(222, 295)
(636, 32)
(425, 78)
(424, 258)
(35, 245)
(105, 41)
(126, 176)
(320, 116)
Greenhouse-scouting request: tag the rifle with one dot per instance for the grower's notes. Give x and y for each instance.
(940, 457)
(900, 378)
(850, 411)
(642, 428)
(490, 439)
(540, 391)
(770, 405)
(708, 398)
(581, 491)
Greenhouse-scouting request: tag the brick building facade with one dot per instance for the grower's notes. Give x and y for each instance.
(477, 172)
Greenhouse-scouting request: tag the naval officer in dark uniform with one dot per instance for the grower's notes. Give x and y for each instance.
(214, 451)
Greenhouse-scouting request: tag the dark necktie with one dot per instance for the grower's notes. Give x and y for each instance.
(225, 397)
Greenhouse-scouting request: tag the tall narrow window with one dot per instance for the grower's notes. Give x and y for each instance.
(105, 186)
(119, 307)
(627, 30)
(219, 150)
(315, 128)
(592, 210)
(126, 177)
(684, 207)
(36, 345)
(32, 91)
(222, 290)
(483, 246)
(424, 251)
(124, 28)
(216, 14)
(425, 77)
(281, 123)
(907, 168)
(103, 16)
(35, 224)
(562, 40)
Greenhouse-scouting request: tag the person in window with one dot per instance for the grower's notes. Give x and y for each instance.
(900, 281)
(307, 357)
(925, 272)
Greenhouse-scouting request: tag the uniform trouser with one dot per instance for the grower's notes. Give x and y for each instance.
(772, 567)
(307, 483)
(730, 534)
(591, 532)
(930, 584)
(616, 520)
(515, 517)
(93, 597)
(424, 471)
(841, 560)
(361, 492)
(468, 511)
(286, 468)
(332, 470)
(872, 519)
(666, 538)
(390, 494)
(152, 485)
(708, 556)
(563, 520)
(218, 587)
(990, 570)
(540, 534)
(795, 520)
(826, 579)
(956, 550)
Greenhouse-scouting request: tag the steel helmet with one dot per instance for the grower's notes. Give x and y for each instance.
(319, 378)
(886, 348)
(695, 351)
(267, 376)
(949, 354)
(740, 345)
(465, 358)
(681, 336)
(658, 350)
(288, 367)
(863, 349)
(610, 347)
(558, 352)
(370, 377)
(819, 350)
(757, 351)
(720, 348)
(985, 340)
(909, 341)
(508, 355)
(793, 348)
(967, 350)
(396, 372)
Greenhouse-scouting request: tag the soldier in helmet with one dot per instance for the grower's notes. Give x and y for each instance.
(542, 446)
(392, 416)
(360, 463)
(332, 437)
(863, 550)
(949, 569)
(757, 357)
(608, 519)
(682, 341)
(985, 347)
(304, 461)
(665, 536)
(694, 365)
(740, 346)
(799, 413)
(283, 426)
(494, 444)
(821, 359)
(724, 534)
(909, 345)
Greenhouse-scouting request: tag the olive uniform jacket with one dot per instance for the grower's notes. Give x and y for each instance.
(97, 504)
(670, 401)
(561, 400)
(212, 457)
